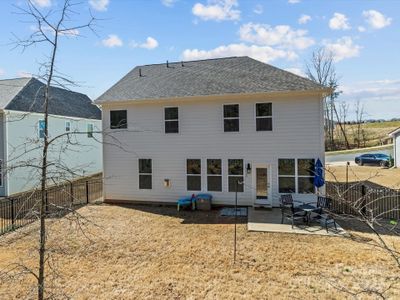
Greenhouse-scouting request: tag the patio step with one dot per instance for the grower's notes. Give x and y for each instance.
(262, 203)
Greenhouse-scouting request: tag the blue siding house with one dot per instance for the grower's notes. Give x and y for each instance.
(74, 119)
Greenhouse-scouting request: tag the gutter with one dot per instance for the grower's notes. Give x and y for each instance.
(323, 92)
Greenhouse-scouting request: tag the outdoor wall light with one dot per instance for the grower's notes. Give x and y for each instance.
(167, 183)
(248, 168)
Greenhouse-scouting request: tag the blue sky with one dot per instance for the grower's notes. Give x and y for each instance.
(363, 35)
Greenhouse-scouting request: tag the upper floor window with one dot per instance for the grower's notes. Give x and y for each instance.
(90, 130)
(193, 174)
(118, 119)
(145, 174)
(264, 116)
(231, 117)
(41, 129)
(171, 117)
(67, 126)
(235, 175)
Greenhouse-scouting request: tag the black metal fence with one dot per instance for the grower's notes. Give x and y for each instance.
(22, 209)
(366, 197)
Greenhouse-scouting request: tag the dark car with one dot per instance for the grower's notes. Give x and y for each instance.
(377, 159)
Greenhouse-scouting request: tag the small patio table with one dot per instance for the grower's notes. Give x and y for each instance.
(308, 208)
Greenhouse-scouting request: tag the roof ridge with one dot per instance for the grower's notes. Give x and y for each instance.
(195, 60)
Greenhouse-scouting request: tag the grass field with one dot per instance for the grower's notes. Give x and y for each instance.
(157, 253)
(375, 133)
(385, 177)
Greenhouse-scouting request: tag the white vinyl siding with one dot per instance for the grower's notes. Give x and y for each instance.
(297, 132)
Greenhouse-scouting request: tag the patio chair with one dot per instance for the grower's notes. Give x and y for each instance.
(187, 201)
(323, 212)
(289, 211)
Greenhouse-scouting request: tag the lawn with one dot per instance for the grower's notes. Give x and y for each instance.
(375, 133)
(145, 252)
(382, 176)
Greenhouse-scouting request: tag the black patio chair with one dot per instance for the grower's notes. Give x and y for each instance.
(323, 212)
(289, 211)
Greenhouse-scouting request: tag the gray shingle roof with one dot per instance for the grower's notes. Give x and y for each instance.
(232, 75)
(27, 94)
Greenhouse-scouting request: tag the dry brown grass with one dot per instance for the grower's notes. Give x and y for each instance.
(385, 177)
(154, 253)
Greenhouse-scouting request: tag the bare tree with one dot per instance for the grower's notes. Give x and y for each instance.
(360, 114)
(49, 28)
(321, 69)
(363, 203)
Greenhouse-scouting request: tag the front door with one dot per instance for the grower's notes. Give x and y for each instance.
(262, 185)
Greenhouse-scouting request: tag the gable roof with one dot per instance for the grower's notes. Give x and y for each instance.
(27, 95)
(231, 75)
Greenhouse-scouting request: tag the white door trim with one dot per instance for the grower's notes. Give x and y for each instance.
(267, 202)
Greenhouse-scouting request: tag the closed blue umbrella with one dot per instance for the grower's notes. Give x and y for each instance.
(319, 174)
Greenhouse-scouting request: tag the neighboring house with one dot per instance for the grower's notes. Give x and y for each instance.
(395, 135)
(21, 134)
(200, 126)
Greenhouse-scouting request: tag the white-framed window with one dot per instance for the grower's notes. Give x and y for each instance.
(214, 175)
(193, 174)
(1, 173)
(145, 174)
(296, 175)
(67, 126)
(264, 116)
(235, 175)
(118, 119)
(305, 175)
(90, 129)
(171, 119)
(287, 175)
(231, 117)
(41, 129)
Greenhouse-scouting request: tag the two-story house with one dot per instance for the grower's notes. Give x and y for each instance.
(73, 118)
(180, 128)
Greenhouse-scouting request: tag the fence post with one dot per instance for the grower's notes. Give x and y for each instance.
(12, 213)
(87, 192)
(71, 193)
(364, 201)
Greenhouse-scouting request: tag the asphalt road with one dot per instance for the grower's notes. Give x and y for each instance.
(343, 158)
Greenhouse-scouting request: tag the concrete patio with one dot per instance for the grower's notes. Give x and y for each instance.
(269, 220)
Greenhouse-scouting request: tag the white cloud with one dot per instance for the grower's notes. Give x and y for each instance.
(112, 41)
(262, 53)
(281, 36)
(99, 5)
(372, 93)
(296, 71)
(217, 10)
(375, 19)
(2, 72)
(361, 28)
(42, 3)
(24, 74)
(151, 43)
(304, 19)
(339, 22)
(168, 3)
(293, 1)
(258, 9)
(343, 48)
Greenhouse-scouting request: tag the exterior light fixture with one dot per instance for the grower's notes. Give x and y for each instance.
(167, 183)
(248, 168)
